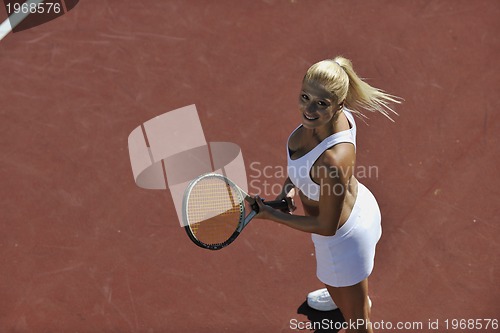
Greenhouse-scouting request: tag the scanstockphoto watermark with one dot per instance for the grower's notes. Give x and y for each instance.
(431, 325)
(264, 179)
(328, 324)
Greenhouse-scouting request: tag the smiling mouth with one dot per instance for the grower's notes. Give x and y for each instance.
(309, 118)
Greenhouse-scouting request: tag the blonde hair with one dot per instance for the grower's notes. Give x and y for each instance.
(338, 77)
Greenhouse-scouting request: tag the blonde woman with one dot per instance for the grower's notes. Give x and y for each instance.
(341, 213)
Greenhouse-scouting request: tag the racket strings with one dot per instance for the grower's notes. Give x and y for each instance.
(214, 210)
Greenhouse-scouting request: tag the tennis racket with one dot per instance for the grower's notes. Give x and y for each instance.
(215, 210)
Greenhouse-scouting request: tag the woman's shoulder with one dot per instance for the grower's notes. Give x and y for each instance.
(340, 157)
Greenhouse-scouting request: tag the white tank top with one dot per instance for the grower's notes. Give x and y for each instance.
(299, 170)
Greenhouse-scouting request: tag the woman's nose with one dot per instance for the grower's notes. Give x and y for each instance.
(311, 107)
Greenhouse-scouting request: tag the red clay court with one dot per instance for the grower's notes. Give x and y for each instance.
(83, 249)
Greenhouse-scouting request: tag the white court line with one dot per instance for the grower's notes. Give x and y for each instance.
(12, 21)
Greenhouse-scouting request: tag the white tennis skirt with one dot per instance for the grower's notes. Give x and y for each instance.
(347, 258)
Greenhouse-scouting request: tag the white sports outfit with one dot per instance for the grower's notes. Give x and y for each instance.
(346, 258)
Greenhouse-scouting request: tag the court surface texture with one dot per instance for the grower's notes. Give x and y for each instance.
(83, 249)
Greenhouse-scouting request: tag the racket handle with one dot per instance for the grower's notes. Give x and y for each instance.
(277, 204)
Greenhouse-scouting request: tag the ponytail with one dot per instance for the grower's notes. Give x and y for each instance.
(339, 78)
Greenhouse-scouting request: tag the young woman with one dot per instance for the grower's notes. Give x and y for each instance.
(341, 214)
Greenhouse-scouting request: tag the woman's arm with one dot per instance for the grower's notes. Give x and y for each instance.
(287, 190)
(333, 185)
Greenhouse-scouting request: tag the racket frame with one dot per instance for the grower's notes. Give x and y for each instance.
(244, 219)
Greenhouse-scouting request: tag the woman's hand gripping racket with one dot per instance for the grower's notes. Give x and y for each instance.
(215, 210)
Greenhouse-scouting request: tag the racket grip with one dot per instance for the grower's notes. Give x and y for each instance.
(277, 204)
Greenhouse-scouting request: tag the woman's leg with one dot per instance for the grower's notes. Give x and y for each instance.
(353, 303)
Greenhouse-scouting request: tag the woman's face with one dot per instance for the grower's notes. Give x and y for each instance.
(317, 106)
